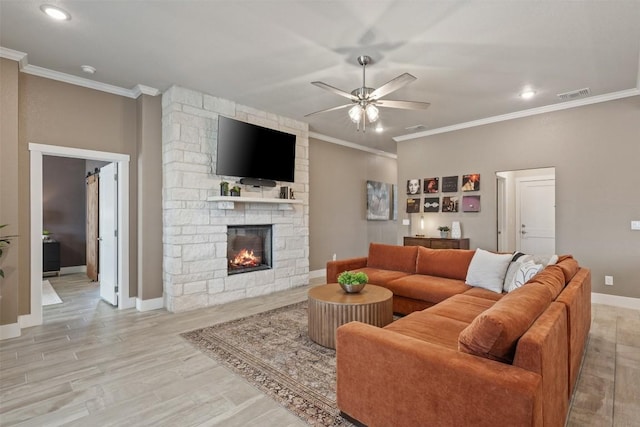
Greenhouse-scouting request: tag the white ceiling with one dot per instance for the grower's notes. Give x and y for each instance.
(471, 58)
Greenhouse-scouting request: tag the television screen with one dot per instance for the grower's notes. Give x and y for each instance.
(249, 151)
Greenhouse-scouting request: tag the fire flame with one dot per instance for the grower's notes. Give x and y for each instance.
(245, 258)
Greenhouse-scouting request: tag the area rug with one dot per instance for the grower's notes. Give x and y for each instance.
(49, 295)
(273, 352)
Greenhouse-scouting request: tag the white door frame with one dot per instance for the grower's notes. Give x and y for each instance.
(501, 188)
(35, 175)
(518, 183)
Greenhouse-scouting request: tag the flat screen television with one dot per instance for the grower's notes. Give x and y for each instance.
(250, 151)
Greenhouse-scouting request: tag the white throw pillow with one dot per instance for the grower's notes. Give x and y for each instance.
(524, 273)
(487, 270)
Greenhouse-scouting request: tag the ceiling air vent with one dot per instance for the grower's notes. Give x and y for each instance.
(575, 94)
(416, 128)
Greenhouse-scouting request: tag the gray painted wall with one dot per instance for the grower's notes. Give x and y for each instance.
(338, 201)
(595, 150)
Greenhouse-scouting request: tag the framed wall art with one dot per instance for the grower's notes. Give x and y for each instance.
(413, 186)
(450, 184)
(431, 204)
(471, 182)
(431, 185)
(413, 205)
(470, 203)
(379, 197)
(450, 204)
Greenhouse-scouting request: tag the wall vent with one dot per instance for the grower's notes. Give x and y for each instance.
(574, 94)
(416, 128)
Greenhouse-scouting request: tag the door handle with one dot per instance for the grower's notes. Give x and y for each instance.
(523, 232)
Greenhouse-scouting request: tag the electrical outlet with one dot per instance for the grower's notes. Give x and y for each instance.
(608, 280)
(635, 225)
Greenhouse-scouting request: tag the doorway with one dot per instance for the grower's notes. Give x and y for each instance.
(122, 161)
(526, 210)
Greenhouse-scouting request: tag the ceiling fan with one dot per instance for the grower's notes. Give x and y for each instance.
(365, 100)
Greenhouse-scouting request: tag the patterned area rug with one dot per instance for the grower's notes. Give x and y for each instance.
(274, 353)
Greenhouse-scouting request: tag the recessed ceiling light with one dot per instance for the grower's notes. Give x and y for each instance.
(527, 94)
(55, 12)
(88, 69)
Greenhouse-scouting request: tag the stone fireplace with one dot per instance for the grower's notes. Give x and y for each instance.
(248, 248)
(197, 226)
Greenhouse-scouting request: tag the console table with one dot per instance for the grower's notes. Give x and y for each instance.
(437, 243)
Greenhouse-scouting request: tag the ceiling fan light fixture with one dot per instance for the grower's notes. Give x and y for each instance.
(355, 113)
(55, 12)
(372, 113)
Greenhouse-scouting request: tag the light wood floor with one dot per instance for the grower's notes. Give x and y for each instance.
(93, 365)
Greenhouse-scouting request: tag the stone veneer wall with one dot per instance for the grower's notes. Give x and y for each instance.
(195, 230)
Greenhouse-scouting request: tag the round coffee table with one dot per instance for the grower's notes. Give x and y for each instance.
(330, 307)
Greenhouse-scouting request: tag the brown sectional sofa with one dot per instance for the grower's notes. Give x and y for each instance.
(462, 355)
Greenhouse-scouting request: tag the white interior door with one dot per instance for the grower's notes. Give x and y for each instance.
(108, 233)
(535, 209)
(501, 187)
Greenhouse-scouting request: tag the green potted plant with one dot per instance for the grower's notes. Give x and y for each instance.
(444, 231)
(235, 191)
(224, 188)
(352, 282)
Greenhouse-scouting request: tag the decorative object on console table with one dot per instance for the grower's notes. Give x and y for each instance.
(352, 282)
(456, 231)
(235, 191)
(444, 231)
(436, 243)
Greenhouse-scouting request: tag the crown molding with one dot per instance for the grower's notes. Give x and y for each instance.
(524, 113)
(34, 70)
(351, 145)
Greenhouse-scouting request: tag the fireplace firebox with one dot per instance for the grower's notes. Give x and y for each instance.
(248, 248)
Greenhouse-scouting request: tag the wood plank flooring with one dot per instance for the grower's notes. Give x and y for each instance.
(90, 364)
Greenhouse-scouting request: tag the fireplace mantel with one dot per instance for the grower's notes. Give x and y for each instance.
(227, 202)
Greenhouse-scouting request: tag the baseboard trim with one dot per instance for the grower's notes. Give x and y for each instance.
(615, 300)
(73, 269)
(29, 320)
(149, 304)
(317, 273)
(128, 302)
(12, 330)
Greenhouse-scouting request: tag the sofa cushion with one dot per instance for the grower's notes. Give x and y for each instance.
(569, 267)
(392, 257)
(426, 288)
(483, 293)
(520, 273)
(495, 332)
(461, 307)
(430, 328)
(379, 276)
(487, 270)
(449, 263)
(552, 278)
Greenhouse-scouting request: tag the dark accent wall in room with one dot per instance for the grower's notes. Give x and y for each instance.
(63, 206)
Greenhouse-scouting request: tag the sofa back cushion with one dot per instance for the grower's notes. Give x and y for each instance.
(449, 263)
(552, 278)
(392, 257)
(495, 332)
(569, 267)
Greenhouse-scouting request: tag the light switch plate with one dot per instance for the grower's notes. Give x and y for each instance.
(406, 222)
(635, 225)
(608, 280)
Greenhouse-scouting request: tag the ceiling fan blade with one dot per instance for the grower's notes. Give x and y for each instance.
(329, 109)
(407, 105)
(335, 90)
(392, 85)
